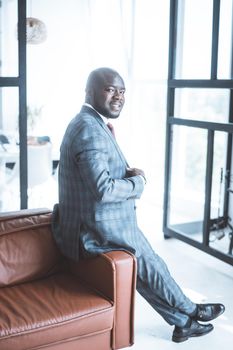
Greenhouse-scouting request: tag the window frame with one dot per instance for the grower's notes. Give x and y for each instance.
(211, 127)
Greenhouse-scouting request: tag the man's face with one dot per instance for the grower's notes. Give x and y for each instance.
(108, 95)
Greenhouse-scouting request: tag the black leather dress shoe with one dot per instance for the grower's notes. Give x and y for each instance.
(195, 330)
(208, 312)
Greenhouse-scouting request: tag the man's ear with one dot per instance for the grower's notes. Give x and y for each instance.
(89, 95)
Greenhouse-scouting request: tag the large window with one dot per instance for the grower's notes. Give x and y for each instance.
(13, 154)
(198, 184)
(64, 43)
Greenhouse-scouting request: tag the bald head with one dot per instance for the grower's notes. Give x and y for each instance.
(105, 90)
(99, 75)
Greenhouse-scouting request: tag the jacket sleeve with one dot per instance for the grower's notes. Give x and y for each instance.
(90, 152)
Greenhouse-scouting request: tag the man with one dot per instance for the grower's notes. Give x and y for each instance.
(96, 211)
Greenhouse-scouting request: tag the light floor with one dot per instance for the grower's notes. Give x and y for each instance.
(202, 277)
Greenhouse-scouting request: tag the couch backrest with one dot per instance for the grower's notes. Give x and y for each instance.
(27, 248)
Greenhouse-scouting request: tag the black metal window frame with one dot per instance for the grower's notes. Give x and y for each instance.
(20, 83)
(211, 128)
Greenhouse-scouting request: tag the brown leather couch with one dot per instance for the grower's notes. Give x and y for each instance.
(48, 302)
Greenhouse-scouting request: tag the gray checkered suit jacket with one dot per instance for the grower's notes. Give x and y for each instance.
(96, 212)
(94, 194)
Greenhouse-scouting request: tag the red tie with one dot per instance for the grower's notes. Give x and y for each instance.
(111, 128)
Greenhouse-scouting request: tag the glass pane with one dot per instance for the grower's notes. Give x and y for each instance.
(187, 187)
(9, 150)
(202, 104)
(230, 210)
(225, 40)
(218, 175)
(42, 186)
(150, 17)
(194, 39)
(151, 112)
(8, 38)
(221, 230)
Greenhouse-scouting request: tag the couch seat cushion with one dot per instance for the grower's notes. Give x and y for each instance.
(50, 310)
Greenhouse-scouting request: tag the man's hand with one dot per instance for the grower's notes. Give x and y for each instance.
(134, 172)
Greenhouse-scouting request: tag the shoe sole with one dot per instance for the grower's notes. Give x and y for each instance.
(181, 339)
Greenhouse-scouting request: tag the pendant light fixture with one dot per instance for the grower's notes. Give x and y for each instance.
(36, 31)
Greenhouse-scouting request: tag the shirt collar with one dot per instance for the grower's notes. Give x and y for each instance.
(105, 120)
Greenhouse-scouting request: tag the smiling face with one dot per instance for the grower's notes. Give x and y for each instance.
(105, 92)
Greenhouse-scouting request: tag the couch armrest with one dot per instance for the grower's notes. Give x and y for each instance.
(113, 274)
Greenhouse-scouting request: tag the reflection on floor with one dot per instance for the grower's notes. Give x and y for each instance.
(222, 240)
(202, 277)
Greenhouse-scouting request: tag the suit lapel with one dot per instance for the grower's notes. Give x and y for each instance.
(106, 129)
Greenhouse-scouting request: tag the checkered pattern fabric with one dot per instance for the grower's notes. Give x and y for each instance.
(96, 211)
